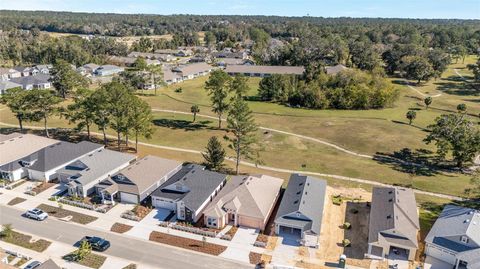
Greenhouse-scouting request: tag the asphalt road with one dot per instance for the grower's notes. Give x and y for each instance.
(139, 251)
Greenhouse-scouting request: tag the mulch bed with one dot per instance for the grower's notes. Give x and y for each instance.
(141, 211)
(23, 240)
(232, 231)
(182, 242)
(43, 186)
(91, 260)
(16, 201)
(18, 184)
(61, 213)
(255, 258)
(262, 238)
(130, 266)
(120, 228)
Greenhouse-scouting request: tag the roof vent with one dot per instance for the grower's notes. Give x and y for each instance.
(389, 216)
(467, 221)
(390, 200)
(298, 192)
(296, 202)
(301, 184)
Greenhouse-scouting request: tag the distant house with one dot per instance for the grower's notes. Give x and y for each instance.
(8, 73)
(130, 61)
(40, 81)
(263, 70)
(42, 69)
(230, 54)
(232, 61)
(14, 147)
(301, 210)
(393, 223)
(167, 51)
(137, 181)
(153, 56)
(42, 165)
(188, 192)
(82, 174)
(171, 77)
(108, 70)
(455, 238)
(191, 71)
(87, 69)
(5, 85)
(333, 70)
(24, 71)
(244, 201)
(184, 53)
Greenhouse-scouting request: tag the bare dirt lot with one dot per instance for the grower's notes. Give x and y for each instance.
(332, 232)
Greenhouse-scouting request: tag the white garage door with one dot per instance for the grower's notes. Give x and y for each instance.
(128, 198)
(163, 204)
(440, 254)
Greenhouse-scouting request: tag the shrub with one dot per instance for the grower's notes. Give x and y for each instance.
(346, 243)
(337, 200)
(179, 90)
(347, 225)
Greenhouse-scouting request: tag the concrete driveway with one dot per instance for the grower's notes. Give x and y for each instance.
(432, 263)
(241, 245)
(154, 217)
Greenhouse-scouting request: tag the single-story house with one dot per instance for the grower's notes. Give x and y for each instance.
(244, 201)
(24, 71)
(167, 51)
(301, 211)
(393, 223)
(189, 191)
(191, 71)
(8, 73)
(6, 85)
(87, 69)
(14, 147)
(230, 54)
(184, 53)
(171, 77)
(43, 164)
(82, 175)
(455, 238)
(263, 70)
(130, 61)
(153, 56)
(40, 81)
(137, 181)
(333, 70)
(42, 69)
(108, 70)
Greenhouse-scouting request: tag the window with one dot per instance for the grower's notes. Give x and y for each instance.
(464, 239)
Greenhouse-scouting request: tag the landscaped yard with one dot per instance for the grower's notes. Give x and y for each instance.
(24, 241)
(43, 186)
(91, 260)
(16, 201)
(120, 228)
(182, 242)
(62, 213)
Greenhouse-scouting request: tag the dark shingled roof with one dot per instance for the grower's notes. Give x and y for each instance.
(54, 155)
(304, 195)
(394, 216)
(199, 181)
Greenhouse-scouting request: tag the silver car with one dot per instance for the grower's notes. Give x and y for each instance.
(36, 214)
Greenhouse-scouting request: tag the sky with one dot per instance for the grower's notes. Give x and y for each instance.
(460, 9)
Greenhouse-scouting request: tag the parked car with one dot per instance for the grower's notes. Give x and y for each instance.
(33, 265)
(36, 214)
(97, 243)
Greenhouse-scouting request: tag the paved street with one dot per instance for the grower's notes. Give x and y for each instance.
(124, 247)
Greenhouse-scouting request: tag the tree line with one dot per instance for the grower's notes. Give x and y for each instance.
(349, 89)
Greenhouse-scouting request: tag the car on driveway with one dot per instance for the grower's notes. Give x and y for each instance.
(33, 265)
(97, 243)
(36, 214)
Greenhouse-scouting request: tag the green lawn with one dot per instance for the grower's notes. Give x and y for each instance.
(367, 132)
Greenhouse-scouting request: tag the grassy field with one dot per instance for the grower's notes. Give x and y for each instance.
(371, 132)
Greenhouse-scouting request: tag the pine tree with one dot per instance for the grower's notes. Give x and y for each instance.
(242, 126)
(214, 155)
(43, 105)
(65, 78)
(81, 112)
(140, 120)
(217, 87)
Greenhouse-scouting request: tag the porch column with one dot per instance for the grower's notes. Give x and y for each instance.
(111, 199)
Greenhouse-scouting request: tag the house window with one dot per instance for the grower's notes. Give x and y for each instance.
(464, 239)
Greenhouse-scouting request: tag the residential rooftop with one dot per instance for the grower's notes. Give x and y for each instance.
(265, 69)
(16, 146)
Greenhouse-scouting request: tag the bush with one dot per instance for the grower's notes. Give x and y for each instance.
(179, 90)
(337, 200)
(346, 243)
(347, 225)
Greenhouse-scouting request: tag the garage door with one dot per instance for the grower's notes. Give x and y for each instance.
(164, 204)
(290, 231)
(128, 198)
(440, 254)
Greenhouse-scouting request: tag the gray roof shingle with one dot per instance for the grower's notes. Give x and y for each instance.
(200, 182)
(304, 195)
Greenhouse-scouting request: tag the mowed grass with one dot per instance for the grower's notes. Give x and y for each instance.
(367, 132)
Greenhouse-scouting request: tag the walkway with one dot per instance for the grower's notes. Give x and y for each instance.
(274, 169)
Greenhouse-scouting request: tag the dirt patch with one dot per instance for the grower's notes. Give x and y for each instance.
(16, 201)
(25, 241)
(62, 213)
(120, 228)
(272, 242)
(182, 242)
(262, 238)
(257, 258)
(43, 186)
(141, 211)
(232, 231)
